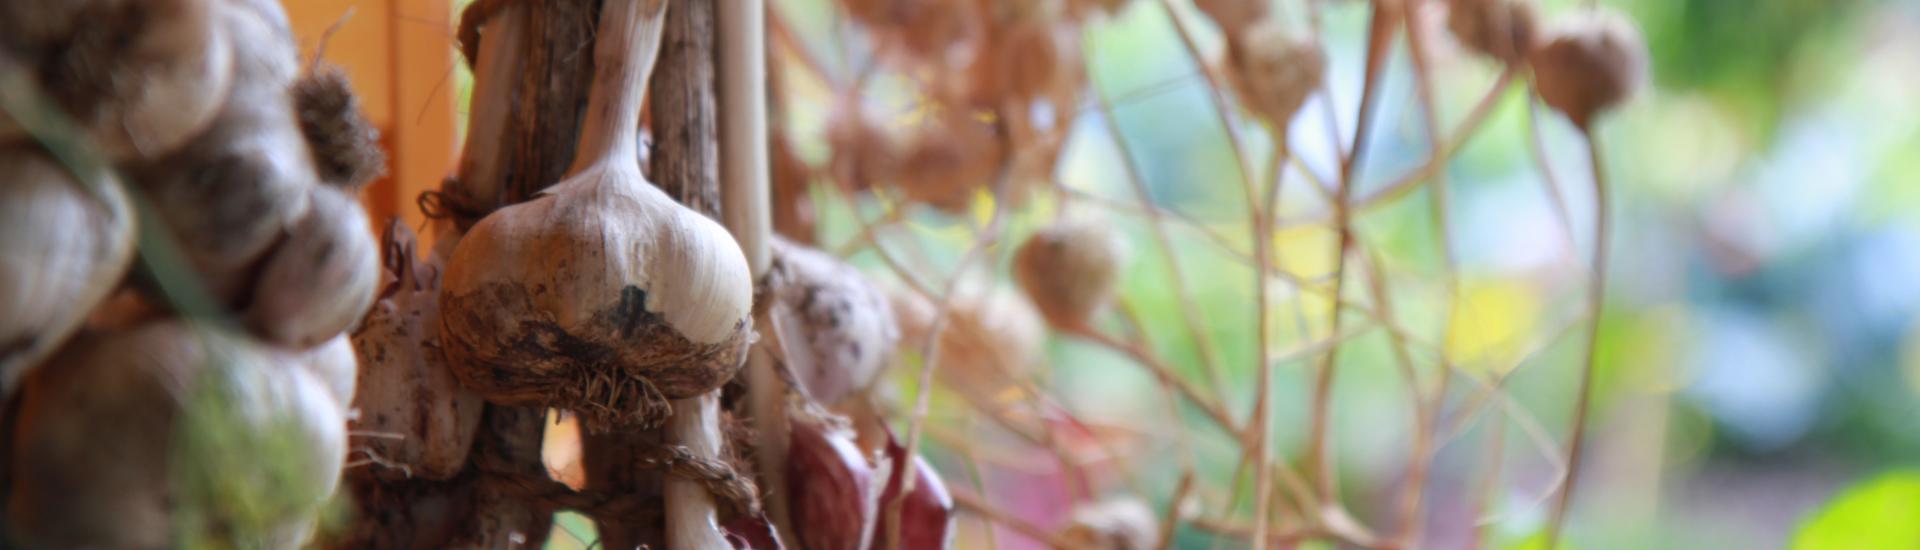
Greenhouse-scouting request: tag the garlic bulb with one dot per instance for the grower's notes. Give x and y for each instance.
(1124, 523)
(336, 367)
(406, 389)
(830, 483)
(601, 294)
(838, 324)
(992, 336)
(67, 245)
(138, 76)
(155, 436)
(1272, 71)
(1590, 63)
(230, 193)
(1504, 30)
(322, 279)
(1069, 270)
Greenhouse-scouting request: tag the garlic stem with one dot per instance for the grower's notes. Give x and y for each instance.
(744, 191)
(623, 57)
(495, 71)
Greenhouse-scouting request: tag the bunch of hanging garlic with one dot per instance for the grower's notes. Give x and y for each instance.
(202, 398)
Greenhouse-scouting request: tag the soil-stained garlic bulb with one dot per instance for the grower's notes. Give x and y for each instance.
(602, 294)
(138, 76)
(1124, 523)
(67, 244)
(405, 386)
(1273, 71)
(345, 145)
(230, 193)
(1069, 270)
(991, 338)
(153, 437)
(321, 279)
(1504, 30)
(1589, 63)
(829, 314)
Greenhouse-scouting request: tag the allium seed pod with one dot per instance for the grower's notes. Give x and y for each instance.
(992, 336)
(1233, 16)
(949, 159)
(405, 387)
(151, 437)
(335, 366)
(601, 294)
(1590, 63)
(1019, 62)
(1069, 270)
(231, 192)
(1272, 71)
(1125, 523)
(345, 145)
(926, 514)
(830, 483)
(140, 77)
(67, 244)
(835, 317)
(321, 279)
(1504, 30)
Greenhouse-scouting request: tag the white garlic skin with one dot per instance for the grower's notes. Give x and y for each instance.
(321, 279)
(97, 451)
(836, 317)
(67, 244)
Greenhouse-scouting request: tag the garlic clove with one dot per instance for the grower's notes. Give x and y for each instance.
(68, 244)
(1124, 523)
(1590, 63)
(149, 437)
(406, 390)
(836, 325)
(322, 279)
(140, 77)
(1069, 270)
(830, 484)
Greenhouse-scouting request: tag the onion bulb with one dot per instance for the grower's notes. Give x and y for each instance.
(67, 244)
(601, 294)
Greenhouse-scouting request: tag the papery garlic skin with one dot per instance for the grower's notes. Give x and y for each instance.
(68, 243)
(321, 279)
(831, 315)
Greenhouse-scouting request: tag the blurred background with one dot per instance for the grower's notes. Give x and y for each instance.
(1759, 366)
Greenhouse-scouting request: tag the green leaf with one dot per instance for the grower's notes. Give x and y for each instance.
(1878, 513)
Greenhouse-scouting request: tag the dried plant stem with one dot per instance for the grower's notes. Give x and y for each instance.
(1170, 520)
(980, 506)
(1262, 418)
(1182, 291)
(1456, 140)
(1537, 148)
(1490, 462)
(1596, 294)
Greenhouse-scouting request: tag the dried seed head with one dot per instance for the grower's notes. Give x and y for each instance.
(1069, 270)
(140, 77)
(1233, 16)
(831, 484)
(405, 385)
(135, 439)
(321, 279)
(863, 154)
(1272, 71)
(949, 159)
(67, 244)
(929, 29)
(345, 145)
(1590, 63)
(992, 336)
(601, 294)
(1124, 523)
(1504, 30)
(839, 324)
(232, 191)
(1019, 61)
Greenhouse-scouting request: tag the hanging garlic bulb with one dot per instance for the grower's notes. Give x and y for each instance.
(602, 294)
(67, 245)
(1069, 270)
(172, 434)
(230, 193)
(422, 421)
(838, 324)
(321, 279)
(139, 77)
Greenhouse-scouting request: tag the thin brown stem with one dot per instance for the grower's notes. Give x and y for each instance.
(1596, 293)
